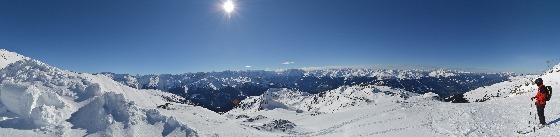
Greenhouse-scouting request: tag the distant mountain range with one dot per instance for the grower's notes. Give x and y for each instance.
(217, 90)
(40, 100)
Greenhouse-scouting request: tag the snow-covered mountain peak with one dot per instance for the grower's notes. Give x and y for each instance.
(556, 68)
(326, 102)
(441, 73)
(7, 57)
(274, 98)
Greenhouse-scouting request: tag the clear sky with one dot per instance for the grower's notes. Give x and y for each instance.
(178, 36)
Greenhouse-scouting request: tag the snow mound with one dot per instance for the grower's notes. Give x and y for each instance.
(31, 103)
(112, 110)
(39, 97)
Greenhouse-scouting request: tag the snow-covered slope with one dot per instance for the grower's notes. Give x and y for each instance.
(37, 96)
(273, 98)
(417, 115)
(40, 100)
(7, 57)
(325, 102)
(515, 86)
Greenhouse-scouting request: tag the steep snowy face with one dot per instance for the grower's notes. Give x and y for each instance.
(34, 95)
(7, 57)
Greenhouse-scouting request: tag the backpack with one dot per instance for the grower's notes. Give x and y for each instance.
(548, 93)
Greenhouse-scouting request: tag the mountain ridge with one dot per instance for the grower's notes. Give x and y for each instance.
(40, 100)
(224, 87)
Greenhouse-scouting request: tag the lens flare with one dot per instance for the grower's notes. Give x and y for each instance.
(229, 6)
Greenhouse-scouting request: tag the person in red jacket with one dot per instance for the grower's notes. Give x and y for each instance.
(541, 100)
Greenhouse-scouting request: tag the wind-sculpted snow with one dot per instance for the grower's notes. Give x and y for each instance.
(31, 103)
(112, 110)
(35, 96)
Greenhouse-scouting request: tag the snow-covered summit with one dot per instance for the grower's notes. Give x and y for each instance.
(326, 102)
(7, 57)
(441, 73)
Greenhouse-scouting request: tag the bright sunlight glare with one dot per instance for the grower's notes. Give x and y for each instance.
(228, 6)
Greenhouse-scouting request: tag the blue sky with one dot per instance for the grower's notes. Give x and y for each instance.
(178, 36)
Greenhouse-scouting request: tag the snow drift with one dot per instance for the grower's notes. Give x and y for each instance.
(57, 102)
(31, 103)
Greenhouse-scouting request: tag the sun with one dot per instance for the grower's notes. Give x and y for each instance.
(229, 6)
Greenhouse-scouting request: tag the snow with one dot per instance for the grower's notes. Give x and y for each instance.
(417, 116)
(220, 80)
(441, 73)
(29, 102)
(515, 86)
(7, 57)
(39, 100)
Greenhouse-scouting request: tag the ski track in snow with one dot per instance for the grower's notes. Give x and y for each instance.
(334, 128)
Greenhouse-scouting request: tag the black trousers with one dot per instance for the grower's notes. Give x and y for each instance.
(540, 112)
